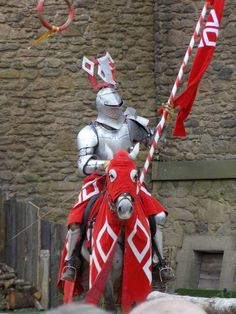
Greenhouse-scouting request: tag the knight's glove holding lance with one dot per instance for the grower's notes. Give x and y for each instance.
(106, 165)
(169, 108)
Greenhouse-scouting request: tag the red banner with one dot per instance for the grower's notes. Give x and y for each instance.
(202, 59)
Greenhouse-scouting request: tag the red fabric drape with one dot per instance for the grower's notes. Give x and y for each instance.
(202, 59)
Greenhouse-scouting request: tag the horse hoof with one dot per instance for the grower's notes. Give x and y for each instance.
(69, 274)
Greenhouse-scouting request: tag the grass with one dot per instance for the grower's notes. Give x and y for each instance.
(20, 311)
(207, 293)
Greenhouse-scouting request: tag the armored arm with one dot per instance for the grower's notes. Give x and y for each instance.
(87, 142)
(139, 131)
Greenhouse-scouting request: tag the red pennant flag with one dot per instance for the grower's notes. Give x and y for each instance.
(202, 59)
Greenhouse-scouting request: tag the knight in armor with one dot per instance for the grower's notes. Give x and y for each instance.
(114, 129)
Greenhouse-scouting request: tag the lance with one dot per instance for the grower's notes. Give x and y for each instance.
(162, 122)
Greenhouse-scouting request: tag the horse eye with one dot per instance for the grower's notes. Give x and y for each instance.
(112, 175)
(134, 175)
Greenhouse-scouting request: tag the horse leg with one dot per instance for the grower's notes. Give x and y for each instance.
(114, 281)
(109, 298)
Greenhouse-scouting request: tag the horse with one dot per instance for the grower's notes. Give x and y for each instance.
(120, 254)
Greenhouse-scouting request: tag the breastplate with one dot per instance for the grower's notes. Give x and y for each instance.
(114, 139)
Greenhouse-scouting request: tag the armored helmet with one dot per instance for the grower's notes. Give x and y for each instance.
(110, 107)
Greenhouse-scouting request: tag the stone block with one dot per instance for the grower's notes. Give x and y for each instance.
(9, 74)
(181, 214)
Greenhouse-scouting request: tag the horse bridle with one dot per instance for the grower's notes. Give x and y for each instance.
(124, 195)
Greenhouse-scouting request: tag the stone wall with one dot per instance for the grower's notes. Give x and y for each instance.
(46, 98)
(199, 207)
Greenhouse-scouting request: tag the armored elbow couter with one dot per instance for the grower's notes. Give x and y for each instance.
(160, 218)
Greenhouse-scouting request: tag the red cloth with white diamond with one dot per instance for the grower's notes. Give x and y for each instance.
(202, 59)
(137, 277)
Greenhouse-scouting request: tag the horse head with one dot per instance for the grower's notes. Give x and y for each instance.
(121, 183)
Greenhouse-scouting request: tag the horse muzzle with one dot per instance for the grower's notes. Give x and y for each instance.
(124, 206)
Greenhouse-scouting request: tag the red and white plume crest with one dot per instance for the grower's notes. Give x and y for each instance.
(105, 71)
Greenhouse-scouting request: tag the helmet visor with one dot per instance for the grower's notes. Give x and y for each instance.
(112, 99)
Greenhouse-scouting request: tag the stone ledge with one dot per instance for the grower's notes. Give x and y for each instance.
(194, 170)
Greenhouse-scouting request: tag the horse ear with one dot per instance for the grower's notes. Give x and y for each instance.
(134, 153)
(109, 152)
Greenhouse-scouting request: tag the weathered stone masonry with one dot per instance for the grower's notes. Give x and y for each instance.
(45, 99)
(203, 206)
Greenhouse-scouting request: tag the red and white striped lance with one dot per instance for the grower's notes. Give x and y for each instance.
(162, 122)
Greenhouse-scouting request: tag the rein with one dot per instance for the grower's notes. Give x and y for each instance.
(111, 203)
